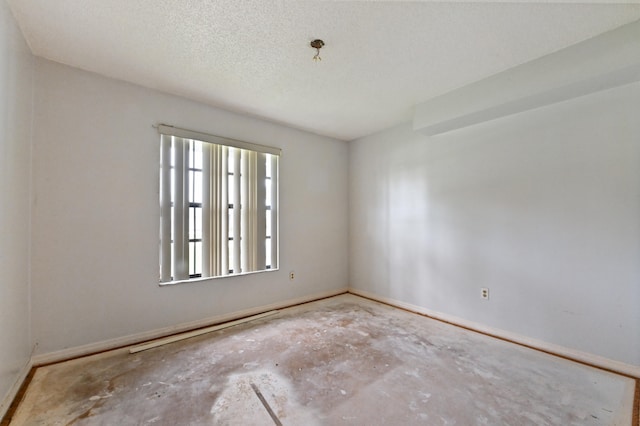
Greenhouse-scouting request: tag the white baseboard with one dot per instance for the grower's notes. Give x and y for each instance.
(134, 339)
(572, 354)
(123, 342)
(5, 403)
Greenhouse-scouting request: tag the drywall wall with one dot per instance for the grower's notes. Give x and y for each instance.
(16, 76)
(542, 207)
(96, 212)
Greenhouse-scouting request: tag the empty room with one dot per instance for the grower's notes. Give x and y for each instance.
(279, 212)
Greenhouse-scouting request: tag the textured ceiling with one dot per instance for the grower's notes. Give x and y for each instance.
(380, 58)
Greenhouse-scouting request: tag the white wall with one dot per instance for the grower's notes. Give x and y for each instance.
(16, 76)
(96, 214)
(542, 207)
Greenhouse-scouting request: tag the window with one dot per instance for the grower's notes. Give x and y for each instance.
(218, 206)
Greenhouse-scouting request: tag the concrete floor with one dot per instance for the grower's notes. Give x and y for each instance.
(344, 360)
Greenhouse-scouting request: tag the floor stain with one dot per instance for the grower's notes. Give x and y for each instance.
(343, 360)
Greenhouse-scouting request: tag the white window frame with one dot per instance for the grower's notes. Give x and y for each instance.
(234, 206)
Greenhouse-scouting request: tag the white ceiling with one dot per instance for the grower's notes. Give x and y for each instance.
(380, 59)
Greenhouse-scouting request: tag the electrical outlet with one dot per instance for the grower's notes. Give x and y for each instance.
(484, 293)
(292, 275)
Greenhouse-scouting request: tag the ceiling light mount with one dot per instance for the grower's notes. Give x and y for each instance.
(317, 44)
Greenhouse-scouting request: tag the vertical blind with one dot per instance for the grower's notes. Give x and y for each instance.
(218, 206)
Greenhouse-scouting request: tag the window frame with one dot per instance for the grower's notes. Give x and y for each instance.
(188, 136)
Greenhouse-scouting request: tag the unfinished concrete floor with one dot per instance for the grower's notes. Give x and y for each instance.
(343, 360)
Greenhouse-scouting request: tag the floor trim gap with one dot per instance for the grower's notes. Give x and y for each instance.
(43, 360)
(5, 420)
(123, 343)
(636, 405)
(416, 310)
(32, 365)
(199, 332)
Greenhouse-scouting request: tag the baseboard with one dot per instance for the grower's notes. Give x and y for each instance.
(6, 402)
(134, 339)
(553, 349)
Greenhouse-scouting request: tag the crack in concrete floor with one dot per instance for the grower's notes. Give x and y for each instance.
(343, 360)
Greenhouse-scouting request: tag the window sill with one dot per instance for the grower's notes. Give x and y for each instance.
(199, 280)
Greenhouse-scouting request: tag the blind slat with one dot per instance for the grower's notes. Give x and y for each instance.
(274, 212)
(260, 200)
(237, 257)
(165, 208)
(207, 200)
(180, 263)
